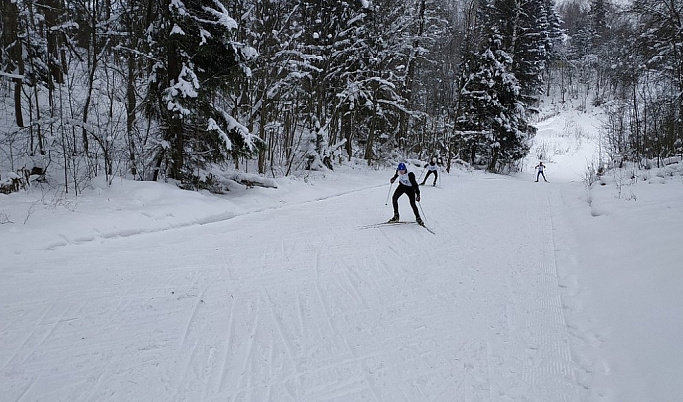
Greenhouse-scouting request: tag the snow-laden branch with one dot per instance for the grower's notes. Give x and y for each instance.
(250, 140)
(11, 76)
(223, 18)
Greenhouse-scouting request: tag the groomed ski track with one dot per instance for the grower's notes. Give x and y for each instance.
(297, 304)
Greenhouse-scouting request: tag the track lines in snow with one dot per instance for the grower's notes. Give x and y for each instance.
(319, 292)
(247, 357)
(121, 306)
(289, 348)
(184, 349)
(193, 317)
(328, 313)
(26, 390)
(57, 323)
(515, 289)
(350, 286)
(300, 313)
(26, 339)
(251, 341)
(227, 345)
(548, 355)
(38, 335)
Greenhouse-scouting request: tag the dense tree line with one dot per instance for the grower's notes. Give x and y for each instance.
(182, 90)
(628, 59)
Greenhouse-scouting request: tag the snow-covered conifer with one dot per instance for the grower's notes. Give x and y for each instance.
(196, 60)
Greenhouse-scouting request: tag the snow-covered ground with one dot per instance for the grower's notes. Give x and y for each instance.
(528, 291)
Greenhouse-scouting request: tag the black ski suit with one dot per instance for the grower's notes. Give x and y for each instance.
(432, 168)
(408, 187)
(540, 168)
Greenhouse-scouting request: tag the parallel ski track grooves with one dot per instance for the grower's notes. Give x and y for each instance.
(206, 221)
(28, 338)
(226, 353)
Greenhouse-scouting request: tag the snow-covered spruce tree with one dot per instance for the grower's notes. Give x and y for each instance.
(195, 62)
(598, 22)
(375, 63)
(529, 31)
(537, 40)
(491, 114)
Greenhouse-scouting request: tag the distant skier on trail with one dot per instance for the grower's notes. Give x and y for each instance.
(540, 168)
(406, 185)
(432, 167)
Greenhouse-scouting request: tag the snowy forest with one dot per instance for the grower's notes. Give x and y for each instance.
(196, 90)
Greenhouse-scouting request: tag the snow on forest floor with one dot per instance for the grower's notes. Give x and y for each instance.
(528, 291)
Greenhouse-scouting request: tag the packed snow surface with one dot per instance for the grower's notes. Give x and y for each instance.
(527, 291)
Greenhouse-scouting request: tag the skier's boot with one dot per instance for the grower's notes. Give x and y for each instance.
(422, 184)
(434, 185)
(419, 221)
(394, 219)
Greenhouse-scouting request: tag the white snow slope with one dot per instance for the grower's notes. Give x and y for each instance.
(143, 292)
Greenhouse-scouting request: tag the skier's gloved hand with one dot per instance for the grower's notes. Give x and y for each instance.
(417, 198)
(392, 180)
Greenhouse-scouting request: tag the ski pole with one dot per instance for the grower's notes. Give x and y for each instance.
(424, 217)
(387, 201)
(421, 173)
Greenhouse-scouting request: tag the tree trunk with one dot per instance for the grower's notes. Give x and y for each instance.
(131, 104)
(348, 133)
(10, 41)
(52, 10)
(92, 61)
(263, 135)
(410, 74)
(494, 160)
(39, 128)
(371, 140)
(174, 130)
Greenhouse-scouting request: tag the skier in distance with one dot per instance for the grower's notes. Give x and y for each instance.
(540, 168)
(431, 168)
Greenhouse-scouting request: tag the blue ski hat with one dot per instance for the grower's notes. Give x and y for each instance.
(402, 166)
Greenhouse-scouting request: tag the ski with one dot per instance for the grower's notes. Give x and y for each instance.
(378, 225)
(429, 230)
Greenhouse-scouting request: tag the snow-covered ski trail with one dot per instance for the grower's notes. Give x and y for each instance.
(299, 305)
